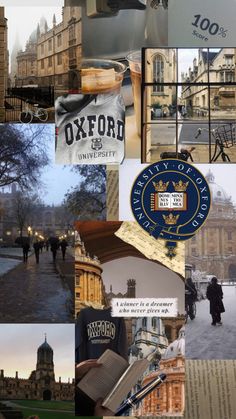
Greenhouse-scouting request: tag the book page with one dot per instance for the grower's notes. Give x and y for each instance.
(210, 389)
(125, 384)
(112, 193)
(98, 382)
(153, 249)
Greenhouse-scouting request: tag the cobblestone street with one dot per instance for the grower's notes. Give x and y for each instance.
(36, 293)
(204, 341)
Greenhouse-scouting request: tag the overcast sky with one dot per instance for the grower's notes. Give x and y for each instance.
(225, 175)
(159, 280)
(19, 344)
(22, 21)
(57, 179)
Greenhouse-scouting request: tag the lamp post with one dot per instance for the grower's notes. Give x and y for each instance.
(29, 229)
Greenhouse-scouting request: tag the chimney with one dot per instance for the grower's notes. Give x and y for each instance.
(2, 374)
(17, 375)
(59, 379)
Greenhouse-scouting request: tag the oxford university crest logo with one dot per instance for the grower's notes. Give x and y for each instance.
(171, 200)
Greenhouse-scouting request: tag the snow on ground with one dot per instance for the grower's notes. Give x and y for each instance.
(204, 341)
(7, 264)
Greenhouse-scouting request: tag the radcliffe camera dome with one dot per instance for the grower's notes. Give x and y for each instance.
(218, 194)
(177, 347)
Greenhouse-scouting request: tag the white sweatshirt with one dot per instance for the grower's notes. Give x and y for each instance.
(90, 129)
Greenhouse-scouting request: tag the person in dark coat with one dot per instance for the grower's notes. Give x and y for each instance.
(26, 248)
(36, 250)
(190, 297)
(63, 245)
(54, 248)
(215, 295)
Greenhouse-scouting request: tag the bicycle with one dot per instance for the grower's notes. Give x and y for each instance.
(225, 137)
(183, 154)
(27, 115)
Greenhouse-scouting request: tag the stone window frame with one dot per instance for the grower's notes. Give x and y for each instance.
(209, 84)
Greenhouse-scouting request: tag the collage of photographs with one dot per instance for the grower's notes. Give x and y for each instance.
(117, 209)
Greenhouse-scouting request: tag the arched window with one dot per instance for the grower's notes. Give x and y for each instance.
(154, 323)
(158, 73)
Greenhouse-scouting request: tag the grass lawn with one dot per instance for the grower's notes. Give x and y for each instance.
(55, 408)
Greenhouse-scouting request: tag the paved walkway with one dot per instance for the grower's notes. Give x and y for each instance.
(32, 293)
(204, 341)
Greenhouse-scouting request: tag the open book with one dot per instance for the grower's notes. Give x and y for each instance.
(113, 380)
(169, 200)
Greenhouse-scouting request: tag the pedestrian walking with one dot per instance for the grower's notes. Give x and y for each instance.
(63, 245)
(190, 297)
(215, 295)
(47, 245)
(54, 248)
(26, 248)
(41, 243)
(36, 250)
(184, 111)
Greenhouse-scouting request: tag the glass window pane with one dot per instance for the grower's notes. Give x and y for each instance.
(195, 139)
(162, 104)
(160, 66)
(193, 102)
(160, 137)
(223, 102)
(223, 148)
(222, 65)
(193, 65)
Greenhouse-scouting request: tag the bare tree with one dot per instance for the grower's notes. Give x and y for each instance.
(23, 154)
(24, 209)
(88, 200)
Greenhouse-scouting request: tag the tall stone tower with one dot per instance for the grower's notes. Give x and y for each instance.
(89, 288)
(45, 365)
(3, 62)
(131, 288)
(15, 50)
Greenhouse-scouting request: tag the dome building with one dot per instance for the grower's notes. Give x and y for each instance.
(89, 287)
(168, 399)
(26, 73)
(213, 249)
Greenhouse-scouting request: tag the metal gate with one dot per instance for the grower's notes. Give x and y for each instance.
(13, 108)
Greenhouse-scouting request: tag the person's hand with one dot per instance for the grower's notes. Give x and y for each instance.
(83, 367)
(102, 411)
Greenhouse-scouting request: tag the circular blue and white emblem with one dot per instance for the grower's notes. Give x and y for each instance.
(171, 200)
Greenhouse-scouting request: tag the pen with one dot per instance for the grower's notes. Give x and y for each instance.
(137, 397)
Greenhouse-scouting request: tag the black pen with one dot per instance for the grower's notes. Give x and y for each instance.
(137, 397)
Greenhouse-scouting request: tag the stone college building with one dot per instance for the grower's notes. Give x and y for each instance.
(41, 384)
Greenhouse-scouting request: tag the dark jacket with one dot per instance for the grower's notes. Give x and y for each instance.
(190, 291)
(215, 294)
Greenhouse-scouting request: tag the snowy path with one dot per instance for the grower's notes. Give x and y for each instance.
(204, 341)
